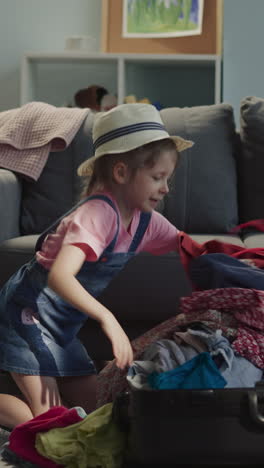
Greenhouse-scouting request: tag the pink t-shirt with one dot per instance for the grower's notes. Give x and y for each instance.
(93, 226)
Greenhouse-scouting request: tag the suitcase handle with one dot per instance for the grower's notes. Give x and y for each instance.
(253, 399)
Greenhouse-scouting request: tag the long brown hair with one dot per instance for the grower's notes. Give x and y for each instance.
(143, 156)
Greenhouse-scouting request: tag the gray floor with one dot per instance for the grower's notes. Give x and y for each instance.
(4, 464)
(3, 440)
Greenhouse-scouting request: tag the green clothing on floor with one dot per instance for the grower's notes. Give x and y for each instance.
(94, 442)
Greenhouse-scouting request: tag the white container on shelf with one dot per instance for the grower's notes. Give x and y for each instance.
(80, 43)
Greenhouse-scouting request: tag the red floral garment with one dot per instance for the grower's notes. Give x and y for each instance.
(240, 314)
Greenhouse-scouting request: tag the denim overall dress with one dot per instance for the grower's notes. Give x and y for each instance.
(37, 328)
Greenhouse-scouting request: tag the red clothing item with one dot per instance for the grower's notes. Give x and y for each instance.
(257, 224)
(22, 438)
(189, 249)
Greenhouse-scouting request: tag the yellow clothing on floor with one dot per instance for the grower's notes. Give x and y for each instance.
(95, 441)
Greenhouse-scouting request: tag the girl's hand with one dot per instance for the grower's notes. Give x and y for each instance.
(122, 349)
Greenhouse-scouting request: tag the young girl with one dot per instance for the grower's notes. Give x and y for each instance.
(44, 304)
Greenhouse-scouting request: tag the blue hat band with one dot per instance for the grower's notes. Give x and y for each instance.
(127, 130)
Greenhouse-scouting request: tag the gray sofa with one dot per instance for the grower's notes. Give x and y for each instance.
(217, 186)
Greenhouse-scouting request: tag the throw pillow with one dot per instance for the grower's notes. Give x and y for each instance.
(58, 186)
(251, 158)
(203, 196)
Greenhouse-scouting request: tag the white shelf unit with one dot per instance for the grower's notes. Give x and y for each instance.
(173, 79)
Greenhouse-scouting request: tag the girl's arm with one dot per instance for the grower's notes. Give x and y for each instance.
(62, 280)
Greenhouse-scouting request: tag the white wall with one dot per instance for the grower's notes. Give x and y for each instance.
(43, 25)
(39, 25)
(243, 50)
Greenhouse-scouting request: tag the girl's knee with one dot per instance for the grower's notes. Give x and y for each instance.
(41, 393)
(13, 411)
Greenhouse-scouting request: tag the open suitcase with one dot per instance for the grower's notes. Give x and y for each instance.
(219, 427)
(194, 427)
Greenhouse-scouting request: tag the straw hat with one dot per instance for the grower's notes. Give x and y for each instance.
(124, 128)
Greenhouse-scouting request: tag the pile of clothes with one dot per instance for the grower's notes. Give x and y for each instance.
(67, 437)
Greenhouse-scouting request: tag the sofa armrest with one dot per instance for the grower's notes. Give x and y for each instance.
(14, 253)
(10, 203)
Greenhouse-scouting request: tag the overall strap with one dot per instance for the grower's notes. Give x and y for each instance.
(142, 227)
(52, 228)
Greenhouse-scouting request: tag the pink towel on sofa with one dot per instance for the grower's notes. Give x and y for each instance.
(29, 133)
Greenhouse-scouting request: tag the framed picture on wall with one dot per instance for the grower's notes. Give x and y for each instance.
(162, 18)
(198, 29)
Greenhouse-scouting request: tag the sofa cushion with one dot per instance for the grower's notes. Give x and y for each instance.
(204, 194)
(251, 160)
(58, 186)
(227, 238)
(254, 240)
(141, 286)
